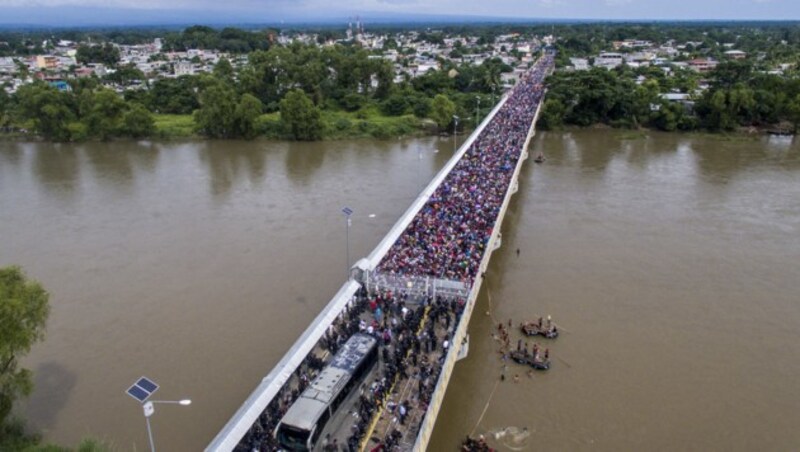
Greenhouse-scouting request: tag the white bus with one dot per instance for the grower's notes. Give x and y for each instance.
(303, 423)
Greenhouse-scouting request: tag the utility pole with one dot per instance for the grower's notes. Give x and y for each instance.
(477, 111)
(347, 213)
(455, 128)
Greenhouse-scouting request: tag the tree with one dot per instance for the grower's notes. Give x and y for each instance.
(248, 110)
(107, 54)
(23, 313)
(174, 96)
(442, 110)
(385, 76)
(389, 43)
(794, 112)
(717, 112)
(666, 118)
(395, 105)
(5, 102)
(216, 116)
(47, 108)
(300, 117)
(730, 73)
(138, 122)
(552, 116)
(105, 117)
(126, 74)
(223, 70)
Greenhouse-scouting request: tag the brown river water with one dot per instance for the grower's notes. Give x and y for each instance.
(670, 262)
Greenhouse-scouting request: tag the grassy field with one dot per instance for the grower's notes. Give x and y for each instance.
(369, 123)
(174, 126)
(366, 123)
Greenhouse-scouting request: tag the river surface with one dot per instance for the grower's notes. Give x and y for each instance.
(669, 261)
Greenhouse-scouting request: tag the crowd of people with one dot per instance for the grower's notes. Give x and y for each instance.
(446, 239)
(448, 236)
(409, 336)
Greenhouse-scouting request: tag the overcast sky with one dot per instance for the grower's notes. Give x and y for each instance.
(271, 10)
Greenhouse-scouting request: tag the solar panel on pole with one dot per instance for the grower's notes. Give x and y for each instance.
(138, 393)
(142, 389)
(147, 384)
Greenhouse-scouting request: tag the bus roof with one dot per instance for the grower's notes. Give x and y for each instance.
(307, 409)
(303, 414)
(327, 384)
(352, 352)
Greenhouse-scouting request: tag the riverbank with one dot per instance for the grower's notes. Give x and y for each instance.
(337, 125)
(741, 134)
(371, 124)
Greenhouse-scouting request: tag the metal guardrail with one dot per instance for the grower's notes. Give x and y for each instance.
(419, 286)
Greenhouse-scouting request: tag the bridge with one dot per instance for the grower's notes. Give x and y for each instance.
(415, 293)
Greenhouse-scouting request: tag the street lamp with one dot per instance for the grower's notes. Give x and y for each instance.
(477, 110)
(455, 127)
(141, 391)
(149, 409)
(419, 171)
(347, 213)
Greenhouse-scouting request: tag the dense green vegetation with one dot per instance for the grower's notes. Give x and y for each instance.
(23, 312)
(86, 112)
(234, 40)
(106, 54)
(353, 93)
(737, 94)
(336, 81)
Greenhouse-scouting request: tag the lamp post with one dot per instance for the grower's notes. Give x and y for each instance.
(149, 409)
(477, 110)
(455, 127)
(347, 213)
(141, 391)
(419, 170)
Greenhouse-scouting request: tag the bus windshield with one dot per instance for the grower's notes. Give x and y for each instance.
(293, 438)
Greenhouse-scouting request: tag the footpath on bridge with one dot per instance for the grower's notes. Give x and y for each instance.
(415, 294)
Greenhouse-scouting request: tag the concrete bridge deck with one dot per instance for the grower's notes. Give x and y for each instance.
(442, 296)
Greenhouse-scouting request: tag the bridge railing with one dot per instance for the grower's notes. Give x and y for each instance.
(415, 286)
(247, 414)
(402, 223)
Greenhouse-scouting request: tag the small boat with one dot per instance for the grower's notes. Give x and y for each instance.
(520, 357)
(533, 329)
(476, 445)
(540, 158)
